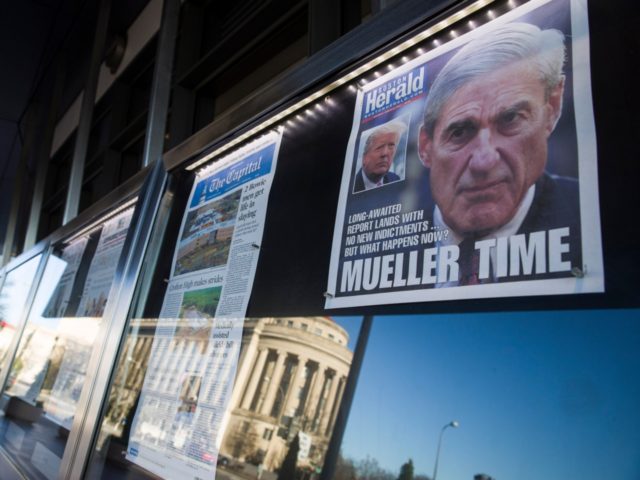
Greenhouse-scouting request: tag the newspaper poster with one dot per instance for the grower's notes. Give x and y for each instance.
(103, 265)
(471, 169)
(181, 412)
(71, 355)
(75, 334)
(71, 255)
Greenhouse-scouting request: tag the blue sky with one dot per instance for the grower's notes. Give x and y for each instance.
(546, 395)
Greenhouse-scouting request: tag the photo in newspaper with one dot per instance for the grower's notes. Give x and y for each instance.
(471, 171)
(181, 413)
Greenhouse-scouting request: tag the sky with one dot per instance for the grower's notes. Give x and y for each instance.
(543, 395)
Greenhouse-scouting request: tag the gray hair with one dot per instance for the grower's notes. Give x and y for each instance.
(394, 126)
(498, 48)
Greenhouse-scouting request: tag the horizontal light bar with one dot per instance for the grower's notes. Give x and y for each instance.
(450, 20)
(93, 226)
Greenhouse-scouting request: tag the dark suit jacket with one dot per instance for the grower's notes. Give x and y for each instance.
(358, 185)
(556, 204)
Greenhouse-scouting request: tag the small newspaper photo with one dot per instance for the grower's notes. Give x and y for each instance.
(181, 412)
(471, 170)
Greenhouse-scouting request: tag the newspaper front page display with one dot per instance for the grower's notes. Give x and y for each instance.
(50, 366)
(181, 412)
(71, 255)
(103, 266)
(471, 170)
(76, 332)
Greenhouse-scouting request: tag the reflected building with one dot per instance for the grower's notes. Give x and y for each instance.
(291, 377)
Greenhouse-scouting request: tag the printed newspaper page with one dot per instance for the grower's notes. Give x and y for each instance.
(103, 265)
(180, 417)
(71, 255)
(75, 334)
(471, 169)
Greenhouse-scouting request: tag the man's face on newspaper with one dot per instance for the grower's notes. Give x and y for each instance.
(377, 160)
(489, 146)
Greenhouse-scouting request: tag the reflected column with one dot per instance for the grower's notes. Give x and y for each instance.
(275, 383)
(336, 404)
(314, 394)
(329, 404)
(248, 357)
(255, 378)
(292, 403)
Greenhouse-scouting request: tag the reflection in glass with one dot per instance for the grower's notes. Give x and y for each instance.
(49, 370)
(538, 395)
(12, 303)
(183, 401)
(30, 366)
(290, 382)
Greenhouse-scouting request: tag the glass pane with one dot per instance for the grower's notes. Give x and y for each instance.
(192, 397)
(538, 395)
(12, 303)
(49, 369)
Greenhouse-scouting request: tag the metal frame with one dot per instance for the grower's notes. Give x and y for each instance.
(43, 156)
(161, 87)
(96, 212)
(86, 421)
(25, 256)
(8, 468)
(346, 53)
(85, 426)
(7, 464)
(143, 215)
(333, 450)
(324, 23)
(21, 175)
(40, 249)
(83, 132)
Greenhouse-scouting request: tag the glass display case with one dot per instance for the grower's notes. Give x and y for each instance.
(49, 368)
(14, 293)
(278, 312)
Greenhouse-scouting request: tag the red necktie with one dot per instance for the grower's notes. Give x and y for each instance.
(469, 263)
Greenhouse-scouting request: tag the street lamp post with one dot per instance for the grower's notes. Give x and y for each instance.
(453, 424)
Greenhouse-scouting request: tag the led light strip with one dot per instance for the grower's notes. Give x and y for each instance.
(450, 20)
(92, 227)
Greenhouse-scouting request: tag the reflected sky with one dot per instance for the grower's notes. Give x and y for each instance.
(551, 395)
(15, 289)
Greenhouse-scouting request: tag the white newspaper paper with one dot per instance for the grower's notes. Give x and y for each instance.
(181, 413)
(103, 266)
(455, 187)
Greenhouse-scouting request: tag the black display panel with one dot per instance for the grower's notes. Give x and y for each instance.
(293, 267)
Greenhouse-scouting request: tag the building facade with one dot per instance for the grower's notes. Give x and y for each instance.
(291, 378)
(330, 376)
